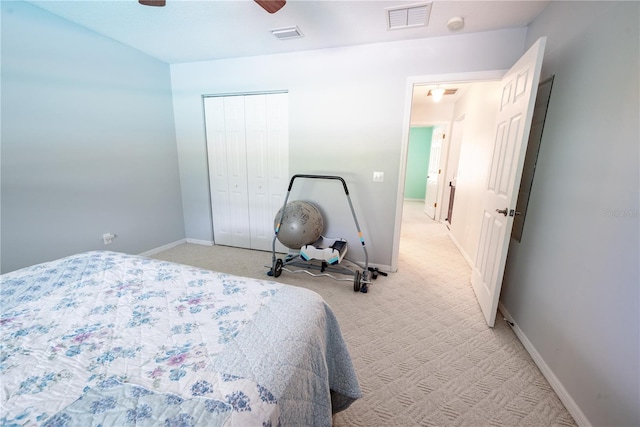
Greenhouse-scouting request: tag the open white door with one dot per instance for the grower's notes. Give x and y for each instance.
(433, 174)
(513, 123)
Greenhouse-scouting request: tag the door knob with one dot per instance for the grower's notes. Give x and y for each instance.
(503, 211)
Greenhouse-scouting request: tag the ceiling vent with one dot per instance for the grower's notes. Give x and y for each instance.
(408, 16)
(287, 33)
(446, 92)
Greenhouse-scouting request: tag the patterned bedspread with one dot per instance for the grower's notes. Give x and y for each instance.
(103, 338)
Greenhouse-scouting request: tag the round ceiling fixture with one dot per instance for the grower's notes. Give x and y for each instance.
(456, 23)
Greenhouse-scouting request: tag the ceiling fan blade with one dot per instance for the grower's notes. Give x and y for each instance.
(271, 6)
(159, 3)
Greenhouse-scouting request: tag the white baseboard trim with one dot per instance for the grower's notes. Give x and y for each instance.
(163, 247)
(461, 249)
(200, 242)
(573, 408)
(176, 243)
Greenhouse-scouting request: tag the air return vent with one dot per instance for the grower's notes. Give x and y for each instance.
(287, 33)
(446, 92)
(408, 16)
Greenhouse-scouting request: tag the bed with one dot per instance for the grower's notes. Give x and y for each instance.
(108, 339)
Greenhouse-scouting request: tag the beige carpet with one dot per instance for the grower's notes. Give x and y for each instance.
(419, 342)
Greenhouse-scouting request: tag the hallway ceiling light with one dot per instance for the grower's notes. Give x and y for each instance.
(437, 94)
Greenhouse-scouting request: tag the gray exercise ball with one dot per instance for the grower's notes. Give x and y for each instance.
(301, 225)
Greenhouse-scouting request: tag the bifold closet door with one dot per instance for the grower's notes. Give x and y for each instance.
(247, 146)
(227, 153)
(267, 126)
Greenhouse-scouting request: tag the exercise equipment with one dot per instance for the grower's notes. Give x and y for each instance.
(301, 224)
(324, 254)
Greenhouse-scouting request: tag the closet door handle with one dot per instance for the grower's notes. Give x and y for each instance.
(503, 211)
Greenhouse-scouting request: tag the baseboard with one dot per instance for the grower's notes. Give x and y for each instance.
(200, 242)
(461, 249)
(163, 247)
(573, 408)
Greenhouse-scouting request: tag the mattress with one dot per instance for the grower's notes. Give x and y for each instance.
(104, 338)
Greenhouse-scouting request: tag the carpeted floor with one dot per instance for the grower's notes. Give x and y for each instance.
(420, 345)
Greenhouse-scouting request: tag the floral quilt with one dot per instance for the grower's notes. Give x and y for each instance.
(104, 339)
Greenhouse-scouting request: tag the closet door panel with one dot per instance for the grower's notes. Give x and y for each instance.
(268, 164)
(277, 154)
(260, 215)
(218, 175)
(235, 135)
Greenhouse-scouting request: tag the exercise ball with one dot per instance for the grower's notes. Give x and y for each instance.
(301, 225)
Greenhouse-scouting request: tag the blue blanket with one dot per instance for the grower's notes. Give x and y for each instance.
(103, 338)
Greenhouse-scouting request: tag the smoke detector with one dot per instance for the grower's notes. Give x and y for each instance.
(456, 23)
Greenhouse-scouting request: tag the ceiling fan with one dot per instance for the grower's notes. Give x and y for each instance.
(271, 6)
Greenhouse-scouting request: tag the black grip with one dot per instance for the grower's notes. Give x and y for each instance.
(344, 184)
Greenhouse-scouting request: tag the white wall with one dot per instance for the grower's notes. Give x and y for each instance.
(572, 284)
(425, 114)
(346, 118)
(88, 142)
(479, 105)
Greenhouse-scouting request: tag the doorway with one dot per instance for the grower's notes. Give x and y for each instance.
(430, 115)
(424, 174)
(490, 167)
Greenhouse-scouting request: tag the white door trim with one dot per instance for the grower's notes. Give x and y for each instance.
(472, 76)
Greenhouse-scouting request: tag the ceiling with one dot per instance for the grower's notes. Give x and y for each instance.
(189, 30)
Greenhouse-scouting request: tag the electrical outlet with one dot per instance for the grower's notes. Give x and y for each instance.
(107, 238)
(378, 177)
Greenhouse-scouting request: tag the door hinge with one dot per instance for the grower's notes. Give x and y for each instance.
(435, 205)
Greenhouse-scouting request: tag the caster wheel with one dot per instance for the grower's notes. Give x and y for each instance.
(356, 281)
(277, 270)
(364, 288)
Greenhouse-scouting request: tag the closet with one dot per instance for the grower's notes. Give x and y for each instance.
(248, 153)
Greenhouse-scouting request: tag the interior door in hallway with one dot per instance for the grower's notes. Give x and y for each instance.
(433, 174)
(247, 149)
(512, 127)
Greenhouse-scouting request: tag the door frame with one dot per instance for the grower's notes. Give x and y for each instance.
(468, 77)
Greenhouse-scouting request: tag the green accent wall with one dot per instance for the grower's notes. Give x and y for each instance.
(415, 185)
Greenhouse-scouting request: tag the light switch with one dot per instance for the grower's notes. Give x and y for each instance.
(378, 177)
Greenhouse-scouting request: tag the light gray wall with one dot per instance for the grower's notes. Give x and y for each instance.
(572, 285)
(88, 142)
(347, 109)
